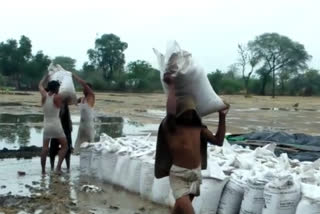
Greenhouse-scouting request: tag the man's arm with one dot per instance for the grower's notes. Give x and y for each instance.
(41, 88)
(171, 102)
(221, 131)
(87, 89)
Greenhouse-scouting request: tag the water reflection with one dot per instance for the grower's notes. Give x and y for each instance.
(24, 118)
(11, 134)
(26, 130)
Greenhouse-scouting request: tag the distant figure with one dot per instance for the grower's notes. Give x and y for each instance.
(51, 103)
(86, 103)
(181, 150)
(66, 122)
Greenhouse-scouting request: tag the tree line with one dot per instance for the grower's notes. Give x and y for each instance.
(270, 64)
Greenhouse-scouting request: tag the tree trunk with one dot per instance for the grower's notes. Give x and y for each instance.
(104, 72)
(111, 71)
(263, 87)
(273, 83)
(247, 85)
(18, 85)
(282, 87)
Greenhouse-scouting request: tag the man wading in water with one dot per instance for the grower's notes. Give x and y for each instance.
(181, 150)
(51, 102)
(66, 123)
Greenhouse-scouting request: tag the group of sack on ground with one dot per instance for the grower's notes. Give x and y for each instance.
(237, 180)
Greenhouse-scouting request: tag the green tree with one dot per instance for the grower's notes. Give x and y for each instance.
(215, 79)
(276, 53)
(2, 80)
(108, 56)
(306, 84)
(265, 78)
(36, 69)
(284, 77)
(14, 58)
(142, 76)
(66, 62)
(312, 77)
(88, 68)
(246, 58)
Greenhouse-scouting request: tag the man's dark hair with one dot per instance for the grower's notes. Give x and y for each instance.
(53, 86)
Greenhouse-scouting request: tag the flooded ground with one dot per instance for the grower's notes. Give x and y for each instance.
(119, 115)
(18, 130)
(33, 193)
(290, 114)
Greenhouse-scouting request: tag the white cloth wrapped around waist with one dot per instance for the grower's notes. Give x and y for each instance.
(185, 181)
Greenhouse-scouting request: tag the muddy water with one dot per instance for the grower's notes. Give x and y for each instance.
(53, 194)
(27, 129)
(34, 193)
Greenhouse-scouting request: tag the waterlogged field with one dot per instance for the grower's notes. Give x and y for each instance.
(290, 114)
(120, 114)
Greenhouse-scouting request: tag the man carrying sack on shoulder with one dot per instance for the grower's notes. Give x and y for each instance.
(181, 150)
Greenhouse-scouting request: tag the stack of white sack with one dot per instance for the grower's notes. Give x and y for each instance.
(66, 90)
(237, 180)
(191, 79)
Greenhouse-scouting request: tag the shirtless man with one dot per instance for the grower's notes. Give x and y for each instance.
(182, 147)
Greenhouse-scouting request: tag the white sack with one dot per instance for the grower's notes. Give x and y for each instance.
(85, 158)
(210, 193)
(95, 163)
(66, 89)
(108, 165)
(133, 175)
(146, 179)
(310, 202)
(161, 191)
(232, 195)
(191, 79)
(120, 175)
(253, 200)
(281, 195)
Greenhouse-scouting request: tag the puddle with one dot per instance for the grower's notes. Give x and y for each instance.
(27, 129)
(10, 104)
(113, 101)
(24, 118)
(278, 109)
(33, 192)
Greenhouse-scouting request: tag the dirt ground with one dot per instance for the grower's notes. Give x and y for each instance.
(290, 114)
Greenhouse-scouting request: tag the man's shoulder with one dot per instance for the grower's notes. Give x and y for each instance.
(168, 123)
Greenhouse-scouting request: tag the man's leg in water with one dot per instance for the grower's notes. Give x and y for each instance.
(183, 205)
(53, 151)
(44, 154)
(62, 153)
(68, 155)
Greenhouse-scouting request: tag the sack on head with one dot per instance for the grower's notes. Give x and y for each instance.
(191, 79)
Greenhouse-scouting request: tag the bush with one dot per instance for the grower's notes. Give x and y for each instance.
(231, 86)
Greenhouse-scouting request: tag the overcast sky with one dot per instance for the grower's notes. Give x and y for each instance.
(210, 30)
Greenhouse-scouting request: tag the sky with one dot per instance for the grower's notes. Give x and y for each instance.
(209, 29)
